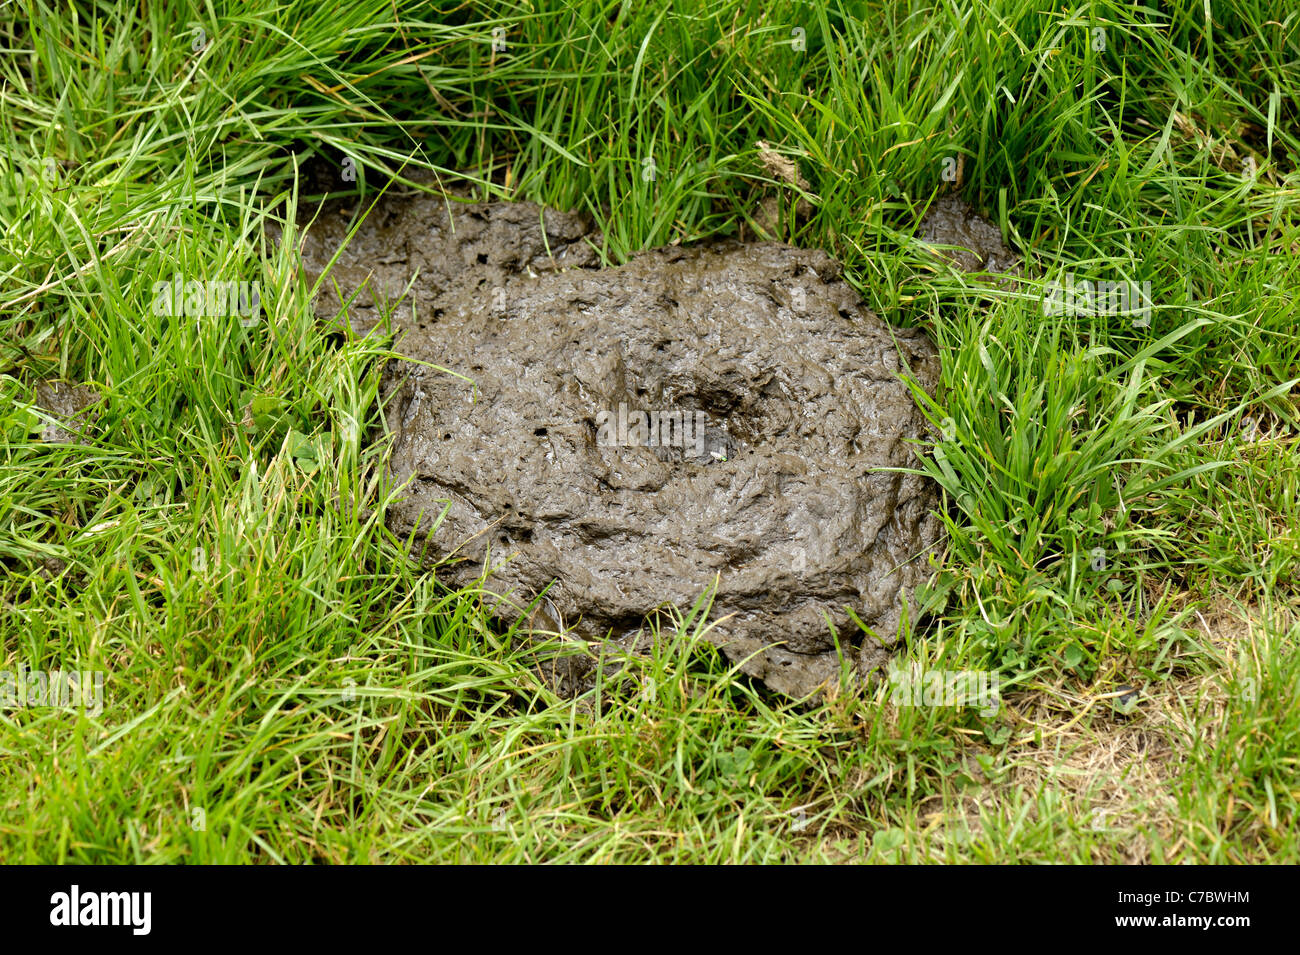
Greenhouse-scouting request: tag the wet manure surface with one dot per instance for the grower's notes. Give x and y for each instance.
(626, 438)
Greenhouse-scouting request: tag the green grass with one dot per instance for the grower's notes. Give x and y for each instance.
(1121, 499)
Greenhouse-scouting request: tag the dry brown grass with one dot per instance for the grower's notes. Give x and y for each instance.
(1101, 769)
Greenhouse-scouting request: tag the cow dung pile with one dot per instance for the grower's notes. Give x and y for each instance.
(625, 439)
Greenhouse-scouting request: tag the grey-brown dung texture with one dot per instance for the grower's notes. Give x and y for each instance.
(979, 246)
(69, 410)
(454, 252)
(779, 497)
